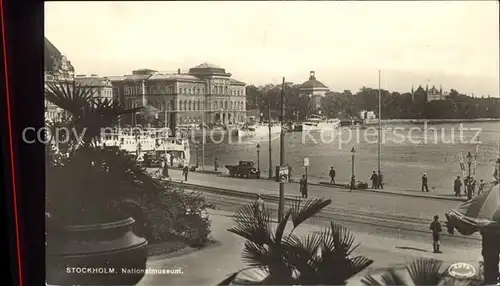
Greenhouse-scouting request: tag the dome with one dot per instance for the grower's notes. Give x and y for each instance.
(206, 68)
(313, 82)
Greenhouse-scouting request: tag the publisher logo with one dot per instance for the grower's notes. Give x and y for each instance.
(462, 270)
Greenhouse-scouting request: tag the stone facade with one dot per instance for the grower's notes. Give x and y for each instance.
(206, 94)
(101, 85)
(57, 68)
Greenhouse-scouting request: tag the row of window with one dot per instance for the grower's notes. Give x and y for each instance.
(188, 105)
(136, 89)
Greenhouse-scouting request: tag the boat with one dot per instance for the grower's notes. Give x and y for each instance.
(155, 141)
(319, 123)
(258, 130)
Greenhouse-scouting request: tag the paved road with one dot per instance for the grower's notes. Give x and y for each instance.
(209, 266)
(376, 203)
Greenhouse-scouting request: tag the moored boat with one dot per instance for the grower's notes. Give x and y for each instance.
(319, 123)
(158, 141)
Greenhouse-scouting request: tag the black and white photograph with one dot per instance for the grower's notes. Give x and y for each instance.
(271, 143)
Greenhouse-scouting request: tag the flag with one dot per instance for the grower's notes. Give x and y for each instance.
(482, 211)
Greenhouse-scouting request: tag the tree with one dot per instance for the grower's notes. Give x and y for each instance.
(286, 259)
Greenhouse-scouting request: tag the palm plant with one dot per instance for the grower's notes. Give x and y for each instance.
(322, 258)
(85, 182)
(423, 271)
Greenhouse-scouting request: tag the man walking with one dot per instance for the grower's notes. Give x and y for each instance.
(185, 172)
(424, 183)
(303, 186)
(374, 179)
(436, 231)
(481, 187)
(332, 175)
(352, 185)
(259, 206)
(380, 180)
(165, 168)
(457, 187)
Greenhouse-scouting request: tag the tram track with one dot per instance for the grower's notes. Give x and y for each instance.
(361, 219)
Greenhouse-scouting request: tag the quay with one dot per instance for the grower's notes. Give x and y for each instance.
(422, 207)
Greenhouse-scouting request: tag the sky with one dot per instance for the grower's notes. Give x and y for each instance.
(448, 44)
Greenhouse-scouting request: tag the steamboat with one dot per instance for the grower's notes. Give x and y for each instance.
(155, 142)
(319, 123)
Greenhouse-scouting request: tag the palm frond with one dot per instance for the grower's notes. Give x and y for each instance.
(310, 208)
(256, 228)
(338, 239)
(302, 254)
(281, 227)
(256, 255)
(371, 281)
(425, 271)
(391, 277)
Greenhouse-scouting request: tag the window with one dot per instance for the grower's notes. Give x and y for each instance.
(189, 106)
(220, 90)
(225, 105)
(199, 105)
(226, 89)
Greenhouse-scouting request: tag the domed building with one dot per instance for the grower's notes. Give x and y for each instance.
(315, 89)
(205, 94)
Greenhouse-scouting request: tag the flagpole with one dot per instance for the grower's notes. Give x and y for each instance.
(379, 121)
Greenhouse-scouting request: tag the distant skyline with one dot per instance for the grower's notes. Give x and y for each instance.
(453, 44)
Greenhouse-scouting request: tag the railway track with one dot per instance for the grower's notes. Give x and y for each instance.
(381, 222)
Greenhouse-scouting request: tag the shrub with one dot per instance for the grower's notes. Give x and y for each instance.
(178, 213)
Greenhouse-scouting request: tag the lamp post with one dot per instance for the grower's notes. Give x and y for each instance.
(353, 152)
(469, 178)
(258, 157)
(197, 156)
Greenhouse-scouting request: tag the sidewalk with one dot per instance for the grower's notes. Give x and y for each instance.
(341, 185)
(211, 265)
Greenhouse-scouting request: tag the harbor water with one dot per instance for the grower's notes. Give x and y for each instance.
(407, 151)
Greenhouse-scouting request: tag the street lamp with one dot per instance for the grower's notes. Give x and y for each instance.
(197, 156)
(469, 178)
(353, 152)
(258, 157)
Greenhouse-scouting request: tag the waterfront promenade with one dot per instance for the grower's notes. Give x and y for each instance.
(200, 267)
(371, 201)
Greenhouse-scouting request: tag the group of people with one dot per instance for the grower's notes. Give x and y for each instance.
(469, 185)
(377, 180)
(164, 170)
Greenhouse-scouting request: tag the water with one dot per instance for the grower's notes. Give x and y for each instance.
(405, 155)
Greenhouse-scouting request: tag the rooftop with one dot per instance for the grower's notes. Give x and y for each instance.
(313, 82)
(206, 66)
(173, 76)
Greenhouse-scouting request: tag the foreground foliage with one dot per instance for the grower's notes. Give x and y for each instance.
(86, 184)
(421, 272)
(323, 258)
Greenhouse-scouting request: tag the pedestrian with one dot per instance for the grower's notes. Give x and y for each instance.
(435, 227)
(303, 186)
(259, 206)
(380, 180)
(289, 173)
(171, 160)
(332, 175)
(165, 168)
(352, 185)
(374, 179)
(457, 187)
(216, 164)
(185, 172)
(481, 187)
(424, 183)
